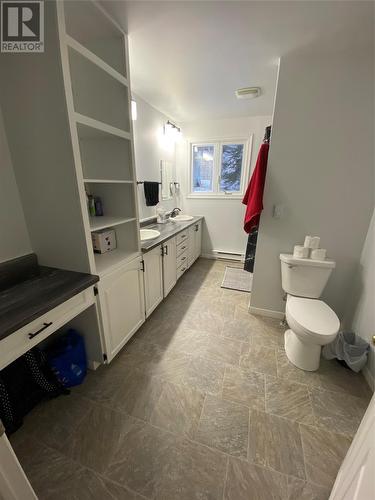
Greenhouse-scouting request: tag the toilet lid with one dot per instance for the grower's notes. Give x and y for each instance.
(313, 315)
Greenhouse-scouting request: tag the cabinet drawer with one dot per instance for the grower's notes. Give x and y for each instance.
(181, 237)
(19, 342)
(182, 247)
(182, 259)
(181, 269)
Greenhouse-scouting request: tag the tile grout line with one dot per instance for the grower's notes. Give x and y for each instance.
(303, 451)
(248, 437)
(225, 479)
(182, 436)
(83, 466)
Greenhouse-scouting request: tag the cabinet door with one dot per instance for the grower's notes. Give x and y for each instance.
(169, 265)
(121, 296)
(191, 245)
(153, 279)
(198, 239)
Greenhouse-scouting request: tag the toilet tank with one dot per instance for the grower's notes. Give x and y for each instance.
(304, 277)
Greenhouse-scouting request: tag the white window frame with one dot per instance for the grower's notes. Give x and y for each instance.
(218, 143)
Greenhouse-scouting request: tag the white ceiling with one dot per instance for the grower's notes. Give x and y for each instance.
(188, 57)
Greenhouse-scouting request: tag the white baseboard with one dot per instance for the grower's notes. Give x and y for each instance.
(222, 256)
(266, 312)
(369, 378)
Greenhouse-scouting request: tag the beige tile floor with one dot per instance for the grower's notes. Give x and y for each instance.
(201, 404)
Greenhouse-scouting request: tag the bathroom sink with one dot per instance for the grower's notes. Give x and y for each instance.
(149, 234)
(182, 218)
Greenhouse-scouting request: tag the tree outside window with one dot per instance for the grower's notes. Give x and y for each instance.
(218, 168)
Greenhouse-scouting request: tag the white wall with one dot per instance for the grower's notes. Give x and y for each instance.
(223, 228)
(321, 170)
(360, 313)
(150, 147)
(14, 238)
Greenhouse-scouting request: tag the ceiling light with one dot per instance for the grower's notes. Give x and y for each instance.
(248, 93)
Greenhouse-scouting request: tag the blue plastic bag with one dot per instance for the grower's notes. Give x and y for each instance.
(68, 359)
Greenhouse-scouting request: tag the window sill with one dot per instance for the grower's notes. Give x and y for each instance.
(214, 196)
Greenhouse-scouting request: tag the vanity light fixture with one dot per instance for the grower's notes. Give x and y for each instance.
(171, 130)
(248, 93)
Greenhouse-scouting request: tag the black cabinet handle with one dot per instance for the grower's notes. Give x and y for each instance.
(45, 325)
(183, 258)
(166, 249)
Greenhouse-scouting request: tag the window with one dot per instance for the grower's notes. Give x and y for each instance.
(218, 168)
(203, 168)
(231, 167)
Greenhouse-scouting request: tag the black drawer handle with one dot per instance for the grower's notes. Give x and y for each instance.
(45, 325)
(183, 258)
(183, 248)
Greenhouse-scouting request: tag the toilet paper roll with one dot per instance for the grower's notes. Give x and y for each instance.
(315, 242)
(301, 252)
(307, 241)
(312, 242)
(318, 254)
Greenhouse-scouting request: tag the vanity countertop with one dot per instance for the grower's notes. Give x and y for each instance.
(167, 230)
(28, 290)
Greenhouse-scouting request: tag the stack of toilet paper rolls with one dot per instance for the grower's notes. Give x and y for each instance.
(310, 249)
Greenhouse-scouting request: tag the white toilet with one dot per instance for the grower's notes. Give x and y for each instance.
(312, 322)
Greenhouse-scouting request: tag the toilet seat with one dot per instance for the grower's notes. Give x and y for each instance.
(315, 317)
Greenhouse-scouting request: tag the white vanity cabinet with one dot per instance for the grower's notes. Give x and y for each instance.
(153, 266)
(121, 296)
(169, 265)
(194, 242)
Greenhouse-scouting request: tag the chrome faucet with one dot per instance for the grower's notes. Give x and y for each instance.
(175, 212)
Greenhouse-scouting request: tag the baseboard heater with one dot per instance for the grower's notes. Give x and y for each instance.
(219, 254)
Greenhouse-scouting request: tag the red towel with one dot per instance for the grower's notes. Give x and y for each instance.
(254, 194)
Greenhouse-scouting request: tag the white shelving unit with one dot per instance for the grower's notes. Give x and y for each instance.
(70, 133)
(95, 68)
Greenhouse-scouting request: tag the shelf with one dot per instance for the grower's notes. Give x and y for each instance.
(102, 222)
(107, 181)
(90, 25)
(96, 94)
(100, 126)
(108, 261)
(78, 47)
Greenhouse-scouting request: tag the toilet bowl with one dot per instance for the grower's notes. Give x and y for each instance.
(312, 324)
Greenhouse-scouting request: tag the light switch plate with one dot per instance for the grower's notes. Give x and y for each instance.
(278, 211)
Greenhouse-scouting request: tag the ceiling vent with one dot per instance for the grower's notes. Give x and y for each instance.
(248, 92)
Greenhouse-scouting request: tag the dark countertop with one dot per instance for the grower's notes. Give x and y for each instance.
(167, 230)
(40, 290)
